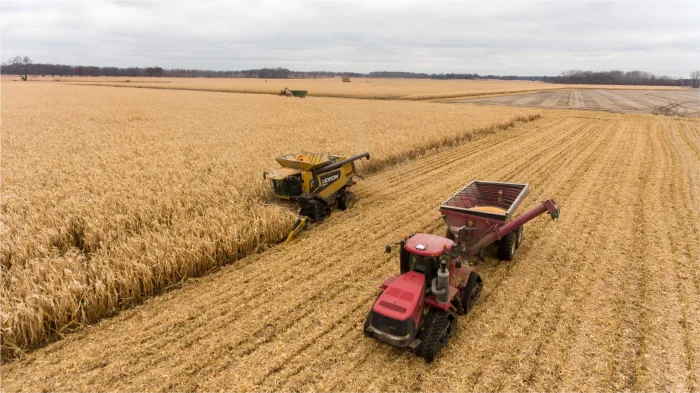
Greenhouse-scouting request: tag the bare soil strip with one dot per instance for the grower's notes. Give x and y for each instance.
(606, 298)
(659, 102)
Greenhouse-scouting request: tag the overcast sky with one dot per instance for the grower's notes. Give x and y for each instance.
(496, 37)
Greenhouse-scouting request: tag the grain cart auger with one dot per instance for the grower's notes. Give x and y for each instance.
(318, 181)
(418, 309)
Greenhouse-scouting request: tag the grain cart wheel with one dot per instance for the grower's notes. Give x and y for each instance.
(470, 293)
(519, 236)
(506, 247)
(437, 330)
(347, 200)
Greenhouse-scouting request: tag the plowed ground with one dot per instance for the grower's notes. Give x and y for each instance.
(605, 298)
(673, 103)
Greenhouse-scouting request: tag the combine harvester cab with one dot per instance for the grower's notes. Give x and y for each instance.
(418, 308)
(317, 181)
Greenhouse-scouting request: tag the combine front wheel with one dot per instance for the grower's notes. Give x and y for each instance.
(437, 330)
(347, 200)
(316, 210)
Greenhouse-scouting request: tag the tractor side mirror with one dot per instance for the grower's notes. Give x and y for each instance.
(265, 175)
(458, 264)
(387, 249)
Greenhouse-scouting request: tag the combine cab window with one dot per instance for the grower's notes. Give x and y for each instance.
(294, 185)
(288, 187)
(280, 187)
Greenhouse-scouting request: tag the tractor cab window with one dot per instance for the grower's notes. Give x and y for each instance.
(426, 265)
(287, 187)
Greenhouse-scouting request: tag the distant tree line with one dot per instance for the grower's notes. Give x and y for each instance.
(43, 69)
(616, 77)
(23, 66)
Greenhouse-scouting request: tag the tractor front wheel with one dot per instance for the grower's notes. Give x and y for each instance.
(506, 247)
(438, 328)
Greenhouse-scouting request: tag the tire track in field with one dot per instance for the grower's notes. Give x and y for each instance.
(685, 253)
(573, 338)
(501, 372)
(664, 330)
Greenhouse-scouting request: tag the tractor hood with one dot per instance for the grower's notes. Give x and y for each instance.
(402, 296)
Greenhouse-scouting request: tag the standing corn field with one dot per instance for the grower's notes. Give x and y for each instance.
(111, 195)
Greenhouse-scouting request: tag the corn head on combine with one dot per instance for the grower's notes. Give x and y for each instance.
(318, 181)
(418, 308)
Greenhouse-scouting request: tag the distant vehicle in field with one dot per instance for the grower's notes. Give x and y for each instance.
(293, 93)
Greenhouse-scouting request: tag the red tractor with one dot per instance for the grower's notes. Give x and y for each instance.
(418, 308)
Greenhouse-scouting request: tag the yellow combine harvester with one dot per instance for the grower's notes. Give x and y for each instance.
(318, 181)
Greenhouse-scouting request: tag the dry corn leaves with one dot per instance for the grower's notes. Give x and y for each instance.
(606, 298)
(110, 195)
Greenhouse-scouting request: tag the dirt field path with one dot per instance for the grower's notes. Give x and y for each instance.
(606, 298)
(672, 103)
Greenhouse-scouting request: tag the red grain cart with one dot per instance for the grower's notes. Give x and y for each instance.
(484, 208)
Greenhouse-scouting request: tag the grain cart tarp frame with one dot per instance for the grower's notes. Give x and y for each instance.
(418, 308)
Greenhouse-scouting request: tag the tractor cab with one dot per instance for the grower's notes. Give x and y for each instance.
(407, 298)
(423, 253)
